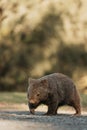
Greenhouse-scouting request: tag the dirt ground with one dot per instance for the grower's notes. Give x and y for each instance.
(21, 120)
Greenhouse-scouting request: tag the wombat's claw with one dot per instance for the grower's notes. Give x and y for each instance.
(76, 114)
(49, 114)
(46, 114)
(32, 111)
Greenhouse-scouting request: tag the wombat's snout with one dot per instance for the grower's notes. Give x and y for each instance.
(31, 101)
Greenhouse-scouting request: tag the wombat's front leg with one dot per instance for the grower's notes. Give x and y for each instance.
(32, 110)
(52, 109)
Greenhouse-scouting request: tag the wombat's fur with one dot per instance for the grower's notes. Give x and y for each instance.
(53, 90)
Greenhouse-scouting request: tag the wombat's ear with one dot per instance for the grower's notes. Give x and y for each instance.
(44, 82)
(30, 80)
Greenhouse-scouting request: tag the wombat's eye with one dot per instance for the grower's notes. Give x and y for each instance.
(38, 94)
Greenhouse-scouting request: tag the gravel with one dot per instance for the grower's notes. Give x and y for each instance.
(21, 120)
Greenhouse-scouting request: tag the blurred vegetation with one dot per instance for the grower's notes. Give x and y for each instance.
(84, 100)
(40, 37)
(13, 97)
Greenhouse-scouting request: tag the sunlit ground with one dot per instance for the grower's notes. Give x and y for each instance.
(13, 100)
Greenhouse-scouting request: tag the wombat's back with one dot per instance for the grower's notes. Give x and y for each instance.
(62, 85)
(59, 80)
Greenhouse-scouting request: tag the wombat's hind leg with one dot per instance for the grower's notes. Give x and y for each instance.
(77, 108)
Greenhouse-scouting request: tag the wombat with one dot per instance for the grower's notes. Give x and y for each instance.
(53, 90)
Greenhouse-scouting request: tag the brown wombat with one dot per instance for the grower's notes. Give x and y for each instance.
(53, 90)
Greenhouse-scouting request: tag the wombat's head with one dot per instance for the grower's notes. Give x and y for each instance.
(37, 92)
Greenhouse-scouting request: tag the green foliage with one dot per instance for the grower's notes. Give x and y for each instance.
(84, 100)
(39, 37)
(69, 58)
(12, 98)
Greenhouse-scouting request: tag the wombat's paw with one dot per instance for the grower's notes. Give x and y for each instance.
(32, 111)
(50, 114)
(77, 114)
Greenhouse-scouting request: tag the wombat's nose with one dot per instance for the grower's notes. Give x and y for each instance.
(31, 101)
